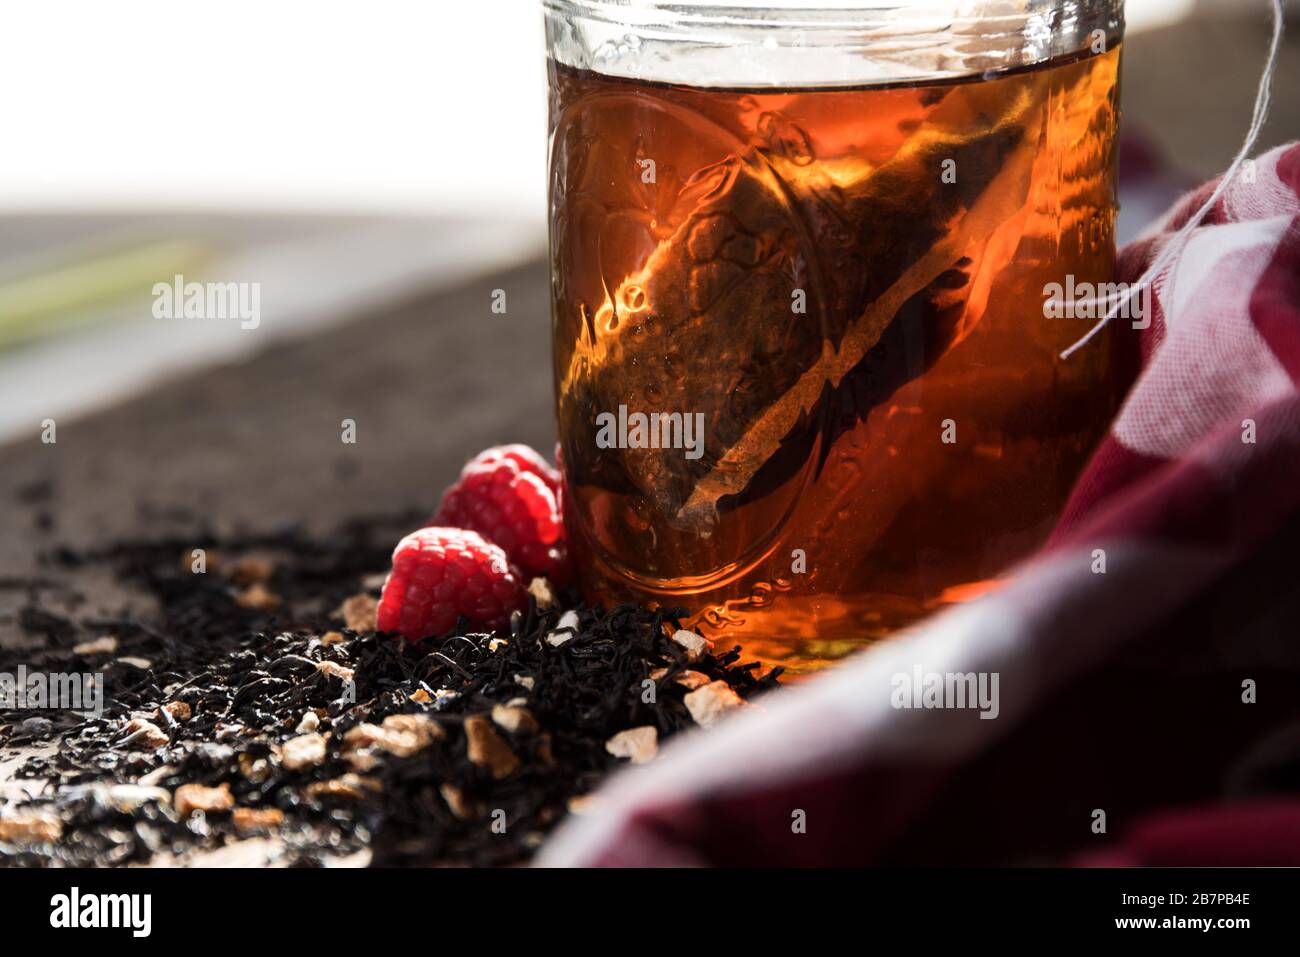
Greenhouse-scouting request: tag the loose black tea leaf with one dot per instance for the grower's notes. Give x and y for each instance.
(226, 718)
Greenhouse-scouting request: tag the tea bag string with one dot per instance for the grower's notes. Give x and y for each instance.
(1174, 248)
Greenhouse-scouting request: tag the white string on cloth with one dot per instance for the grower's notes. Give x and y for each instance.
(1174, 248)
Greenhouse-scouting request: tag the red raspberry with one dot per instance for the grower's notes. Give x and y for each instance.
(525, 457)
(513, 506)
(440, 574)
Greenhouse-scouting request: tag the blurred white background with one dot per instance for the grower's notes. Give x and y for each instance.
(377, 106)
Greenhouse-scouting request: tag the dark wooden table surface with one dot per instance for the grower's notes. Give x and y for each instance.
(259, 443)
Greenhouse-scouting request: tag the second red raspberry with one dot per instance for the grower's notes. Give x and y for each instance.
(442, 574)
(512, 503)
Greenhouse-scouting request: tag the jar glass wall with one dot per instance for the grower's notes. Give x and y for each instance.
(807, 369)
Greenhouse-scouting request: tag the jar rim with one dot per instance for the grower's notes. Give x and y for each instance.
(829, 14)
(757, 43)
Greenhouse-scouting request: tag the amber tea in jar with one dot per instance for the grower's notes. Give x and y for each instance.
(806, 384)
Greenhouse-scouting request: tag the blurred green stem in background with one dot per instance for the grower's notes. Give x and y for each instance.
(83, 291)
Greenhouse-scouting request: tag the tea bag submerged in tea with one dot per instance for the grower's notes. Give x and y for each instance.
(768, 307)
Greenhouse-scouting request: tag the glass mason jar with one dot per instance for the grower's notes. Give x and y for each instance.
(808, 380)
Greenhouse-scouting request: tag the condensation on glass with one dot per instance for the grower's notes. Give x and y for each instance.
(806, 384)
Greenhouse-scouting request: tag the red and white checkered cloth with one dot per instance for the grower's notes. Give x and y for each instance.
(1120, 693)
